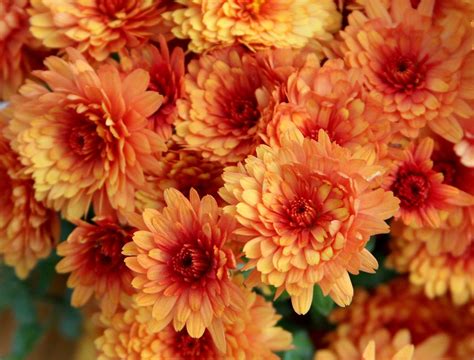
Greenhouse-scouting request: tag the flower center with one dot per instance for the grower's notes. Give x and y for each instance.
(302, 213)
(107, 249)
(84, 140)
(404, 73)
(190, 348)
(412, 188)
(191, 263)
(244, 112)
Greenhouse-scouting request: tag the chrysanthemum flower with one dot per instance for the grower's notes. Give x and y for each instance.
(183, 170)
(424, 198)
(220, 115)
(166, 77)
(85, 138)
(383, 346)
(330, 98)
(307, 210)
(18, 53)
(182, 268)
(93, 255)
(434, 325)
(28, 230)
(97, 28)
(410, 66)
(256, 23)
(254, 335)
(438, 272)
(465, 147)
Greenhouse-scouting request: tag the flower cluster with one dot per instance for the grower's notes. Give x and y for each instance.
(213, 153)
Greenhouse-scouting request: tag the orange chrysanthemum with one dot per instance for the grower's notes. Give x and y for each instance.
(465, 147)
(253, 335)
(256, 23)
(436, 327)
(439, 272)
(166, 77)
(330, 98)
(410, 66)
(97, 28)
(424, 198)
(307, 210)
(93, 255)
(182, 267)
(183, 170)
(18, 49)
(222, 110)
(28, 230)
(383, 346)
(85, 138)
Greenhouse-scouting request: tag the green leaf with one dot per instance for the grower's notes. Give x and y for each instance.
(70, 322)
(66, 229)
(322, 305)
(304, 349)
(26, 336)
(382, 275)
(370, 246)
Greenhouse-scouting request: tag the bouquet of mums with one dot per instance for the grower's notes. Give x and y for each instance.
(237, 179)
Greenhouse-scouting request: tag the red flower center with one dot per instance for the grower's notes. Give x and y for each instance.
(190, 348)
(107, 250)
(244, 112)
(411, 187)
(84, 140)
(302, 213)
(191, 263)
(404, 72)
(163, 81)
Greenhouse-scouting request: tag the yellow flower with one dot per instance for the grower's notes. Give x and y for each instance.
(398, 314)
(19, 51)
(221, 112)
(256, 23)
(253, 335)
(306, 211)
(411, 66)
(28, 230)
(85, 138)
(97, 28)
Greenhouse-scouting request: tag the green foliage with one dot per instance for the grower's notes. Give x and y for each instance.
(22, 297)
(321, 305)
(303, 347)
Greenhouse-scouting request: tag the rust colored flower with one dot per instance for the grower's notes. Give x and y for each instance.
(383, 346)
(438, 272)
(437, 328)
(28, 230)
(182, 268)
(93, 255)
(18, 49)
(166, 77)
(253, 336)
(84, 138)
(255, 23)
(410, 65)
(424, 198)
(221, 114)
(329, 98)
(97, 28)
(183, 170)
(307, 210)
